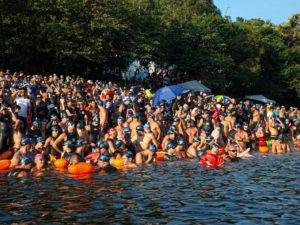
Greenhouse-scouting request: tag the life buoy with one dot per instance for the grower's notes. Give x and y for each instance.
(81, 168)
(211, 160)
(263, 149)
(61, 163)
(6, 155)
(159, 156)
(119, 164)
(4, 164)
(221, 151)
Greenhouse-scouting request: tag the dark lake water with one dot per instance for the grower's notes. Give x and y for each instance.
(263, 190)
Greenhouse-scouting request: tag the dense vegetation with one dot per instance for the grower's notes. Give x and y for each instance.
(234, 58)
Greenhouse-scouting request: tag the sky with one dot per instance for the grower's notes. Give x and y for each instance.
(277, 11)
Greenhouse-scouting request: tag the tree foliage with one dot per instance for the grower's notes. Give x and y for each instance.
(234, 58)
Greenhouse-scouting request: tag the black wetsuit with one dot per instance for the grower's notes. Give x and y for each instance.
(34, 133)
(16, 172)
(5, 132)
(94, 134)
(110, 169)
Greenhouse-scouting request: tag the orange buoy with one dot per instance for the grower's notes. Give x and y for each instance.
(4, 164)
(221, 151)
(211, 160)
(119, 164)
(264, 149)
(159, 156)
(81, 168)
(7, 155)
(61, 163)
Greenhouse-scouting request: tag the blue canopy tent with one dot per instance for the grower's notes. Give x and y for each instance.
(168, 93)
(260, 98)
(194, 85)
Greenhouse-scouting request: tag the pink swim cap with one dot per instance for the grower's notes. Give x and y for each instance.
(38, 157)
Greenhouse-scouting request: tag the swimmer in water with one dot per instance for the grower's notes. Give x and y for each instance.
(127, 157)
(280, 146)
(232, 152)
(104, 165)
(147, 156)
(192, 150)
(23, 169)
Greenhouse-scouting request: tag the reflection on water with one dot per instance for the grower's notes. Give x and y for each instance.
(264, 190)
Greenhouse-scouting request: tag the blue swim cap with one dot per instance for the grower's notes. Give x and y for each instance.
(184, 111)
(128, 154)
(99, 143)
(96, 119)
(171, 144)
(280, 137)
(181, 142)
(25, 161)
(32, 140)
(70, 123)
(36, 123)
(104, 145)
(25, 141)
(55, 128)
(127, 130)
(196, 139)
(139, 128)
(118, 143)
(170, 132)
(152, 116)
(189, 120)
(147, 126)
(176, 119)
(40, 140)
(238, 125)
(213, 146)
(120, 118)
(53, 117)
(152, 148)
(79, 126)
(201, 153)
(104, 157)
(137, 115)
(68, 143)
(64, 115)
(173, 128)
(209, 138)
(80, 142)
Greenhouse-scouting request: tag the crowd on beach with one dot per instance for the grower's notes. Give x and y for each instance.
(45, 118)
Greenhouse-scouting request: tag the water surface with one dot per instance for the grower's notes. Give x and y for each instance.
(264, 190)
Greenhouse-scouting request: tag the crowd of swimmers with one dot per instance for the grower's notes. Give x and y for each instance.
(45, 118)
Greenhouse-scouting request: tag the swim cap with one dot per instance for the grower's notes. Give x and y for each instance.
(70, 123)
(176, 119)
(234, 144)
(79, 126)
(170, 132)
(181, 142)
(53, 117)
(140, 128)
(213, 146)
(99, 143)
(25, 141)
(136, 115)
(152, 116)
(171, 144)
(40, 140)
(96, 119)
(127, 130)
(118, 143)
(26, 161)
(36, 123)
(120, 118)
(55, 128)
(196, 139)
(238, 125)
(280, 137)
(152, 148)
(189, 120)
(80, 142)
(104, 157)
(64, 115)
(173, 128)
(218, 124)
(245, 124)
(68, 143)
(201, 153)
(209, 138)
(147, 126)
(259, 125)
(127, 154)
(104, 145)
(184, 111)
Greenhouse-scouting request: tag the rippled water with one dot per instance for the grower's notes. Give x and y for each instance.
(264, 190)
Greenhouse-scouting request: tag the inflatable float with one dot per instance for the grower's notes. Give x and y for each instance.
(81, 168)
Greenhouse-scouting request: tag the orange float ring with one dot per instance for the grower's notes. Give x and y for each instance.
(4, 164)
(6, 155)
(221, 151)
(61, 163)
(81, 168)
(159, 156)
(263, 149)
(211, 160)
(119, 164)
